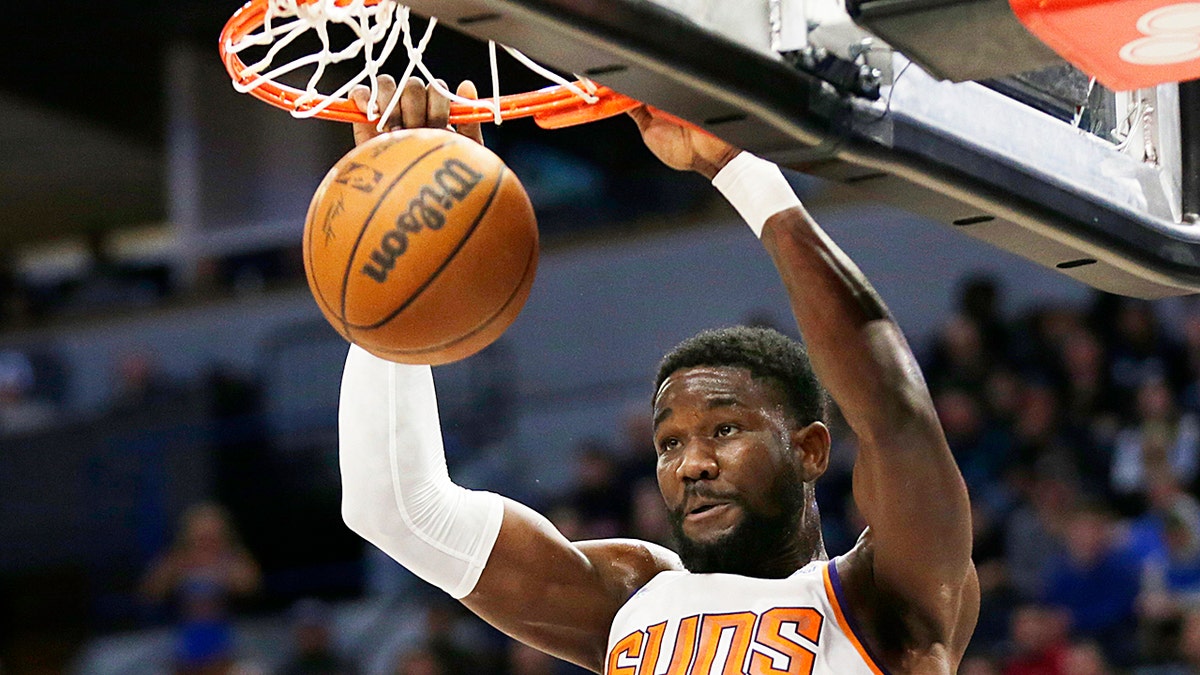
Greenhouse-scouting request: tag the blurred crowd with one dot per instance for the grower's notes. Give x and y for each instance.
(1076, 430)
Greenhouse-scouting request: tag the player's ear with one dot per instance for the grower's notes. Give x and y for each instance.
(811, 443)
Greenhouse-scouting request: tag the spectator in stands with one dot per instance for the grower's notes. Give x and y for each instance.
(1038, 641)
(1036, 529)
(959, 357)
(1170, 576)
(649, 514)
(1162, 436)
(525, 660)
(205, 570)
(312, 642)
(460, 640)
(1145, 536)
(421, 661)
(1140, 350)
(978, 664)
(1096, 582)
(1088, 400)
(1191, 346)
(996, 594)
(20, 411)
(1042, 333)
(980, 299)
(1039, 434)
(1085, 658)
(1184, 659)
(634, 451)
(599, 496)
(139, 382)
(1002, 397)
(979, 450)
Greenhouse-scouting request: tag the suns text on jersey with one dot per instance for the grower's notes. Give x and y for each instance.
(779, 641)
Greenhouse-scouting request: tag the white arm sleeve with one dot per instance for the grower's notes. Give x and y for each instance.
(396, 491)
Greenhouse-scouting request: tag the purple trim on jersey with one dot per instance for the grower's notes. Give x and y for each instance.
(836, 581)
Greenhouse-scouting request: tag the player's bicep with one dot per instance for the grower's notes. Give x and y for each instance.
(556, 595)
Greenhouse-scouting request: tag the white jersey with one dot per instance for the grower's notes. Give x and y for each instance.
(724, 624)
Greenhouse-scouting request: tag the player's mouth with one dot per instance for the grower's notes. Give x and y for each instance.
(707, 513)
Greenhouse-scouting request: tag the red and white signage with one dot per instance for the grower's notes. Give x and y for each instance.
(1125, 44)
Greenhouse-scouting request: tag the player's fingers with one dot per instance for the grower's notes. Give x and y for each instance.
(412, 103)
(466, 89)
(437, 107)
(388, 105)
(360, 95)
(363, 131)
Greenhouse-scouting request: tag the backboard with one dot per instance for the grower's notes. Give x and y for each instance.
(1023, 151)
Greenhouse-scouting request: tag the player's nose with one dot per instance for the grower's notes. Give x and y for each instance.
(699, 461)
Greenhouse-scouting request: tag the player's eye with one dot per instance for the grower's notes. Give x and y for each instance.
(669, 443)
(726, 429)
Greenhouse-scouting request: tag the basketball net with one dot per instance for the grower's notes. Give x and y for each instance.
(380, 27)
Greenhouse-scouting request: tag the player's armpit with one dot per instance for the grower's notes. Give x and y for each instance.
(908, 634)
(559, 596)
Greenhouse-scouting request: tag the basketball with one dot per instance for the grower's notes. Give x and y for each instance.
(420, 246)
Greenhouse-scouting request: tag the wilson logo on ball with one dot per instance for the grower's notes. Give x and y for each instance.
(451, 183)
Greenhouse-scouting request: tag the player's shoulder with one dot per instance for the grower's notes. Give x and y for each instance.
(628, 564)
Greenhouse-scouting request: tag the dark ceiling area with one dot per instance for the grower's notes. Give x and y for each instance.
(102, 60)
(82, 94)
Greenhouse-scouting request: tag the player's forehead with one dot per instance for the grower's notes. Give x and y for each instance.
(712, 386)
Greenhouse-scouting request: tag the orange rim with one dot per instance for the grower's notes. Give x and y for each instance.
(553, 107)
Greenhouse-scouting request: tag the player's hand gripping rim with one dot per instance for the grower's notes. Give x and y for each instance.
(681, 145)
(421, 106)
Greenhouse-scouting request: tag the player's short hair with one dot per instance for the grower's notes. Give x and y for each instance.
(766, 353)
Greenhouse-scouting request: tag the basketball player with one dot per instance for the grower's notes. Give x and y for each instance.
(740, 442)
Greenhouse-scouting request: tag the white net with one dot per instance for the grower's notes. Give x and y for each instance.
(378, 28)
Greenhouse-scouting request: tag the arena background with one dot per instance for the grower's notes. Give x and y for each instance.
(160, 350)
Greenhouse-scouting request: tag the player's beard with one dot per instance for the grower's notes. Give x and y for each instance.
(756, 544)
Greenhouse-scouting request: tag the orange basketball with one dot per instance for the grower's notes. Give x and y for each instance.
(420, 246)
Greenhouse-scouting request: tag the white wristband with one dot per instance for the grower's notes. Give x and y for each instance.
(756, 188)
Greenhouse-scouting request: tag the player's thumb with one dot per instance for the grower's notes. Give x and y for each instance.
(641, 116)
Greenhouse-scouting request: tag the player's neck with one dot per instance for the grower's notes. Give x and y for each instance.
(807, 546)
(810, 546)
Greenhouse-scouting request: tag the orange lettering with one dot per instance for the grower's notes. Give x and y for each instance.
(799, 658)
(629, 646)
(685, 647)
(653, 648)
(742, 625)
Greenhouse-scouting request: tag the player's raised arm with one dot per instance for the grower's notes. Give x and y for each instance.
(917, 554)
(503, 560)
